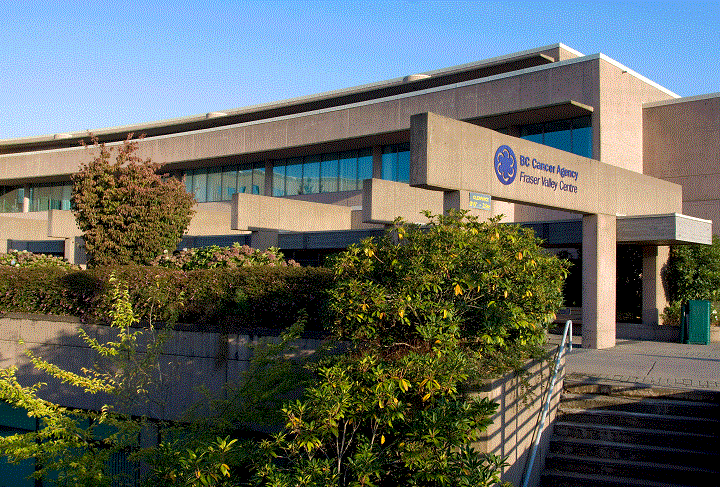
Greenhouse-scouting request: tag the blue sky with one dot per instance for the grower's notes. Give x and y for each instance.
(73, 66)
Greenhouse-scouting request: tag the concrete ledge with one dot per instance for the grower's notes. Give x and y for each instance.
(255, 212)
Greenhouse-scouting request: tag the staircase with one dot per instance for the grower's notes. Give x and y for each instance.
(629, 435)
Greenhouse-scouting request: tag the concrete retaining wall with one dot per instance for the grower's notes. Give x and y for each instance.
(521, 398)
(194, 360)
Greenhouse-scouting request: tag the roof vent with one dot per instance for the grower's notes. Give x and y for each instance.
(215, 114)
(415, 77)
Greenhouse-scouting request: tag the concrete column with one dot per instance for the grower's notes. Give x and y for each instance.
(264, 239)
(4, 246)
(653, 292)
(70, 250)
(377, 162)
(598, 273)
(451, 201)
(26, 199)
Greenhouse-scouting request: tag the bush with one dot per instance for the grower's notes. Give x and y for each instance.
(489, 283)
(23, 258)
(222, 298)
(213, 256)
(127, 211)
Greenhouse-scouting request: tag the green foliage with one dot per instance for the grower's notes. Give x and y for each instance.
(693, 272)
(489, 283)
(213, 256)
(127, 211)
(230, 298)
(370, 420)
(17, 258)
(74, 447)
(204, 465)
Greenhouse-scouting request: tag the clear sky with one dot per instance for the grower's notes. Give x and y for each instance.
(74, 66)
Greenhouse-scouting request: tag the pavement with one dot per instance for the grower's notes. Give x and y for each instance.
(671, 365)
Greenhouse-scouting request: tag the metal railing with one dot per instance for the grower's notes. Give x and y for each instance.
(566, 343)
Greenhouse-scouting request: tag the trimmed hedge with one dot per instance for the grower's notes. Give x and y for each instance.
(221, 298)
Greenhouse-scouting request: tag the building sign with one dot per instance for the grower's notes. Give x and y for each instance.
(531, 171)
(479, 201)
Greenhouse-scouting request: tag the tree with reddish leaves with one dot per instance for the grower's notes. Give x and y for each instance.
(128, 211)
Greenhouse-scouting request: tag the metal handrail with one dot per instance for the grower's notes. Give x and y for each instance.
(548, 398)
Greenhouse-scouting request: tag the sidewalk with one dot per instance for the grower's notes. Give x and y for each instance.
(673, 365)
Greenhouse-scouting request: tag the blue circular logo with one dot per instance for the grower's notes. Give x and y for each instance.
(505, 164)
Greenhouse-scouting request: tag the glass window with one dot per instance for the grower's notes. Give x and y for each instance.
(56, 193)
(403, 163)
(11, 199)
(278, 178)
(533, 133)
(294, 176)
(200, 185)
(229, 182)
(582, 137)
(244, 179)
(329, 172)
(188, 175)
(348, 170)
(66, 197)
(311, 175)
(365, 165)
(259, 178)
(389, 163)
(214, 184)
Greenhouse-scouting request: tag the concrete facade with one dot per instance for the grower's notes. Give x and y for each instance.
(640, 165)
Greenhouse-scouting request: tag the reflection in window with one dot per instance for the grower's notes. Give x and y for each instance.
(221, 182)
(573, 135)
(48, 197)
(396, 162)
(11, 199)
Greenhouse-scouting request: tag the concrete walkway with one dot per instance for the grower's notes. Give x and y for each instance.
(673, 365)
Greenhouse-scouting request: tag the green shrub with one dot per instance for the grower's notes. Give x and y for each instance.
(213, 256)
(488, 283)
(23, 258)
(227, 298)
(693, 272)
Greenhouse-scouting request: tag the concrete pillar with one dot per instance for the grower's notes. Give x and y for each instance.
(377, 162)
(264, 239)
(70, 250)
(268, 178)
(653, 292)
(598, 273)
(4, 246)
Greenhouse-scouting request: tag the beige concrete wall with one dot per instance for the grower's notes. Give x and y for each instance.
(682, 145)
(190, 361)
(454, 155)
(255, 212)
(511, 433)
(620, 112)
(387, 200)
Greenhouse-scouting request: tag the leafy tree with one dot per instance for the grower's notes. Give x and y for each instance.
(127, 211)
(693, 272)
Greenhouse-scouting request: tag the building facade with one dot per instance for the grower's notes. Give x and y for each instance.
(586, 151)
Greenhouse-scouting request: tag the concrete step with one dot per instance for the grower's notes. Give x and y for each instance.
(641, 436)
(689, 424)
(626, 469)
(553, 478)
(709, 460)
(584, 385)
(661, 406)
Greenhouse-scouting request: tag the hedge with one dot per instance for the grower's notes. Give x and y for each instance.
(221, 298)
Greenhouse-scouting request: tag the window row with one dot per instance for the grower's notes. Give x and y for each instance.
(322, 173)
(573, 135)
(41, 198)
(220, 183)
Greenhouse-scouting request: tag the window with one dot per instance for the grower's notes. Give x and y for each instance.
(11, 199)
(573, 135)
(396, 162)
